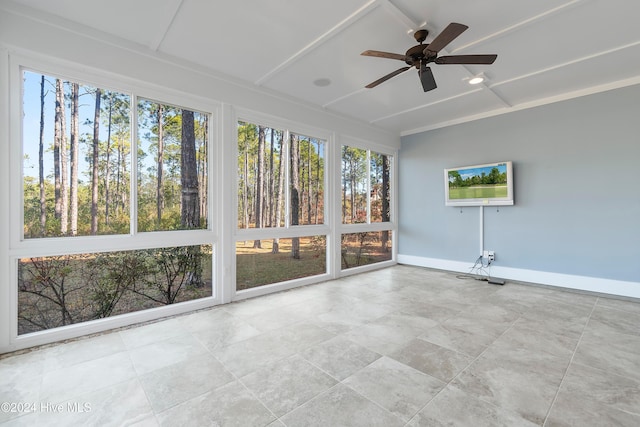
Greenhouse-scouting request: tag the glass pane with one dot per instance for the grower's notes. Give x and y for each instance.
(366, 248)
(76, 158)
(172, 167)
(354, 185)
(306, 180)
(62, 290)
(380, 187)
(261, 176)
(278, 260)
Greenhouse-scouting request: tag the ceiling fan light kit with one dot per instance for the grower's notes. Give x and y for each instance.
(421, 54)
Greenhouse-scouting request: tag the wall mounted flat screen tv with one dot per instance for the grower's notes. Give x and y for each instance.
(489, 184)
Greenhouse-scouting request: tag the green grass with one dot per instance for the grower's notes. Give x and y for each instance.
(478, 192)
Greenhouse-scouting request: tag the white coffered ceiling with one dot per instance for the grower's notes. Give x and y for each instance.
(547, 49)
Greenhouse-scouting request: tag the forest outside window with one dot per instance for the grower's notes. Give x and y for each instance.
(172, 167)
(77, 162)
(366, 186)
(76, 158)
(79, 158)
(281, 185)
(280, 178)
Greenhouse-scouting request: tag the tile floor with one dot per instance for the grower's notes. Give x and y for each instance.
(402, 346)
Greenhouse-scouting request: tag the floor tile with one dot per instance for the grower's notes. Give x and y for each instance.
(339, 357)
(453, 407)
(286, 384)
(514, 379)
(254, 353)
(229, 405)
(82, 378)
(615, 320)
(81, 350)
(152, 333)
(398, 388)
(341, 406)
(611, 352)
(432, 359)
(221, 334)
(458, 339)
(628, 305)
(174, 384)
(525, 334)
(597, 386)
(166, 352)
(401, 346)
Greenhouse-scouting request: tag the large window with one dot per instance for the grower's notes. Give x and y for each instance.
(172, 167)
(78, 148)
(281, 186)
(76, 158)
(67, 289)
(366, 205)
(366, 186)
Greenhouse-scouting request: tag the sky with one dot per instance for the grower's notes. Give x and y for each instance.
(466, 173)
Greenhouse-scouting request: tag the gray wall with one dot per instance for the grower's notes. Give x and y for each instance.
(577, 189)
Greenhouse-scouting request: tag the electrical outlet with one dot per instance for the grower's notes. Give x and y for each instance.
(491, 255)
(485, 254)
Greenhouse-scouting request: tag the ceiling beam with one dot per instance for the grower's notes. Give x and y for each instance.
(338, 28)
(355, 16)
(166, 26)
(520, 24)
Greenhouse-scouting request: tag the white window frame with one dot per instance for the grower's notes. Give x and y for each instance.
(18, 247)
(369, 226)
(286, 231)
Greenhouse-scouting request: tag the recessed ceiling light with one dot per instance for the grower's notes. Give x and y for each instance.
(322, 82)
(476, 80)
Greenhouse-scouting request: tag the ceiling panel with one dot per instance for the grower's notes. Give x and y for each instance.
(547, 49)
(141, 21)
(603, 70)
(471, 104)
(247, 39)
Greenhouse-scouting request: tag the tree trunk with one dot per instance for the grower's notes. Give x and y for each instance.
(245, 192)
(281, 173)
(295, 193)
(318, 184)
(107, 159)
(64, 172)
(259, 184)
(57, 132)
(74, 149)
(272, 180)
(353, 166)
(202, 167)
(94, 159)
(43, 199)
(190, 210)
(160, 161)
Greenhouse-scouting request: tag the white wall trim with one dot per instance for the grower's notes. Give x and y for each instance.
(568, 281)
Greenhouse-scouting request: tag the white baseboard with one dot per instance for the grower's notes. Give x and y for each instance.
(569, 281)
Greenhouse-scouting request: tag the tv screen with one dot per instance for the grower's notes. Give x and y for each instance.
(489, 184)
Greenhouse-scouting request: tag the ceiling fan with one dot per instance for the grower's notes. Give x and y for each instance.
(422, 54)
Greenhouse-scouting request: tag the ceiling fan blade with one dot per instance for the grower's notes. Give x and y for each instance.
(447, 35)
(426, 78)
(387, 77)
(379, 54)
(466, 59)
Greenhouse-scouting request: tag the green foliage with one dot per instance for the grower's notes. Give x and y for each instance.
(62, 290)
(493, 178)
